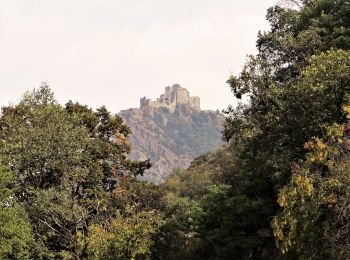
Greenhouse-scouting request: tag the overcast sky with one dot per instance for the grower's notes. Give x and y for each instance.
(113, 52)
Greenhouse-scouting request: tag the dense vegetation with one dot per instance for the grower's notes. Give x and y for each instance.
(171, 140)
(65, 164)
(282, 191)
(279, 189)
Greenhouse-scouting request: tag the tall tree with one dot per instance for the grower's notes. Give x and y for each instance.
(314, 220)
(292, 95)
(68, 162)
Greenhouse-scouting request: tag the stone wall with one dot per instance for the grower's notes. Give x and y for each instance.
(173, 96)
(195, 103)
(182, 96)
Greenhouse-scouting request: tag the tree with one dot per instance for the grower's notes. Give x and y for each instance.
(16, 237)
(178, 237)
(128, 237)
(314, 218)
(67, 162)
(205, 219)
(296, 86)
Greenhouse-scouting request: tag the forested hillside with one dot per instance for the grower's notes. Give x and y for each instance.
(278, 189)
(171, 140)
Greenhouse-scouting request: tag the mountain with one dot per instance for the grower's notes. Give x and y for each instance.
(171, 138)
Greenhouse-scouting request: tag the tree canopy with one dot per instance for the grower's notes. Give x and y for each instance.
(278, 189)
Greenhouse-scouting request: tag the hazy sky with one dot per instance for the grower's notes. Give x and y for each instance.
(112, 52)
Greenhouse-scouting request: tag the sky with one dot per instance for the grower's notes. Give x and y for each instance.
(113, 52)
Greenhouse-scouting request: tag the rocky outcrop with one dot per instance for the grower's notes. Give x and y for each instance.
(171, 140)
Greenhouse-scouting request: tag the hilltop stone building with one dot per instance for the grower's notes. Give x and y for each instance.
(173, 96)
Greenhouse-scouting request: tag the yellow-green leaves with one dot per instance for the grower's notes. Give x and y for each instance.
(126, 237)
(313, 202)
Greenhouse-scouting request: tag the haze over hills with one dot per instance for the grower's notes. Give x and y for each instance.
(171, 131)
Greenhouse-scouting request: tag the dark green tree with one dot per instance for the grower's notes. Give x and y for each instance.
(295, 86)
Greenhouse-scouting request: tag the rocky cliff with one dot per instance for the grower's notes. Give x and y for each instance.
(171, 140)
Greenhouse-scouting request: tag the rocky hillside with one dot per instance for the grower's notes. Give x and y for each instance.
(171, 140)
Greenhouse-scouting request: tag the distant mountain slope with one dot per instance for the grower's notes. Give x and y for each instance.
(171, 140)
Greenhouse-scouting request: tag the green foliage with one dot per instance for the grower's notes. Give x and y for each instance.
(220, 217)
(179, 235)
(298, 33)
(67, 163)
(126, 237)
(314, 217)
(39, 140)
(195, 181)
(224, 218)
(296, 87)
(69, 191)
(140, 195)
(16, 237)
